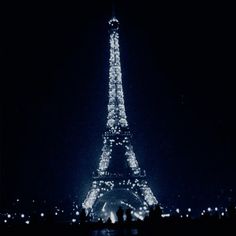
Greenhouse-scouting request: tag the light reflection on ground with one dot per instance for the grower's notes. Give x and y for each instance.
(115, 232)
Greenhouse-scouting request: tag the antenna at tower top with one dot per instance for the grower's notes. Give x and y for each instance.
(113, 22)
(113, 8)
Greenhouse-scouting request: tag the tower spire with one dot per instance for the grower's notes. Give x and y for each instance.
(116, 107)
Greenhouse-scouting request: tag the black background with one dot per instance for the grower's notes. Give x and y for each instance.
(178, 76)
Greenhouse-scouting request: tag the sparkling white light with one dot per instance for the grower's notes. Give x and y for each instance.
(116, 109)
(112, 217)
(148, 196)
(91, 197)
(117, 134)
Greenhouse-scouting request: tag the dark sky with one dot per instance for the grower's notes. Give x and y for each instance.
(178, 76)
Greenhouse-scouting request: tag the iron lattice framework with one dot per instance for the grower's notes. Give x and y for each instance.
(115, 184)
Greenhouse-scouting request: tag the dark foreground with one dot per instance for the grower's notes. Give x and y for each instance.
(164, 227)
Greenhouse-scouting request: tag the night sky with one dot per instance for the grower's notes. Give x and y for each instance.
(177, 65)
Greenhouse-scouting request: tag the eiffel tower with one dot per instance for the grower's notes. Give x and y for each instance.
(118, 181)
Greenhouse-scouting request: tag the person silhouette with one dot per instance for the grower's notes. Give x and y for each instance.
(120, 214)
(128, 215)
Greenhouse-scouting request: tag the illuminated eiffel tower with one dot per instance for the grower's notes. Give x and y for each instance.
(118, 181)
